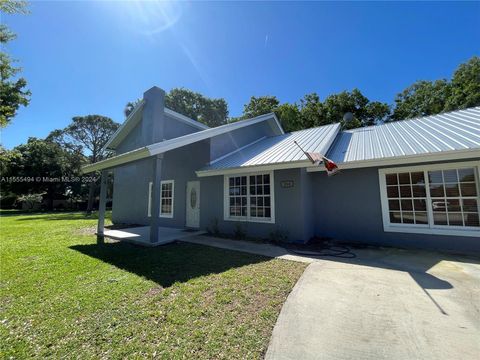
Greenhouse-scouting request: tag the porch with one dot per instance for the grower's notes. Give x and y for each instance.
(141, 235)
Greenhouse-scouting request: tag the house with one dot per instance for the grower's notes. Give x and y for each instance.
(412, 183)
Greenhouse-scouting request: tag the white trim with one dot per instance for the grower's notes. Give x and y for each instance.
(226, 199)
(185, 119)
(167, 215)
(149, 206)
(118, 160)
(255, 168)
(128, 124)
(430, 228)
(237, 150)
(407, 159)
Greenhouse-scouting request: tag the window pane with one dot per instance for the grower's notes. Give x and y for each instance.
(393, 205)
(268, 212)
(453, 205)
(419, 191)
(471, 219)
(260, 201)
(407, 205)
(405, 191)
(438, 205)
(267, 201)
(466, 175)
(450, 176)
(418, 178)
(455, 219)
(395, 217)
(435, 176)
(420, 205)
(470, 205)
(244, 190)
(391, 179)
(408, 218)
(259, 179)
(259, 190)
(252, 180)
(421, 218)
(452, 190)
(230, 181)
(253, 211)
(404, 178)
(468, 189)
(436, 190)
(244, 180)
(392, 191)
(439, 218)
(266, 189)
(266, 179)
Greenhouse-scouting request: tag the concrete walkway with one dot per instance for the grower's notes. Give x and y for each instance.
(141, 235)
(248, 247)
(385, 304)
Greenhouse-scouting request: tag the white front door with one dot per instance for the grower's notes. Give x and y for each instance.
(193, 204)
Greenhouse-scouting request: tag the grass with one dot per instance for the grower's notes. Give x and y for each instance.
(64, 296)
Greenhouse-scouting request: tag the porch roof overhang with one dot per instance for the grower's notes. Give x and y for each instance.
(171, 144)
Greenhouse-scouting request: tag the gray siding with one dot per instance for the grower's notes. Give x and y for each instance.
(290, 208)
(175, 128)
(347, 207)
(130, 194)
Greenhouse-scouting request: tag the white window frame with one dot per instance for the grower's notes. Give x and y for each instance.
(248, 218)
(429, 228)
(167, 215)
(149, 206)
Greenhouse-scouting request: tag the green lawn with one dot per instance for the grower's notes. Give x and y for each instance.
(62, 295)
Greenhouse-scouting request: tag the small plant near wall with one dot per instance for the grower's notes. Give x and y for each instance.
(239, 232)
(214, 229)
(278, 236)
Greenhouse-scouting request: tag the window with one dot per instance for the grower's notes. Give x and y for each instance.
(440, 199)
(249, 197)
(166, 198)
(149, 207)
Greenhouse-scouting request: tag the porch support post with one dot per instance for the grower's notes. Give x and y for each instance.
(155, 209)
(102, 206)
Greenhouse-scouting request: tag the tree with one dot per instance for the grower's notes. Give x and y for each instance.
(421, 99)
(289, 116)
(465, 86)
(433, 97)
(87, 134)
(44, 163)
(259, 106)
(211, 112)
(130, 106)
(12, 91)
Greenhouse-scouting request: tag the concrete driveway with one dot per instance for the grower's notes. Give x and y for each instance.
(385, 304)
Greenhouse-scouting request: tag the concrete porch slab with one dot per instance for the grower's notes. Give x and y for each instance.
(141, 235)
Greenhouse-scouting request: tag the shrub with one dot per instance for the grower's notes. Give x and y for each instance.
(239, 232)
(213, 229)
(31, 201)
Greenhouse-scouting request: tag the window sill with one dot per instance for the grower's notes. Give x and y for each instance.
(167, 216)
(432, 231)
(250, 220)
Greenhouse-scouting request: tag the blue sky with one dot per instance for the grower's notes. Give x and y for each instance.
(87, 57)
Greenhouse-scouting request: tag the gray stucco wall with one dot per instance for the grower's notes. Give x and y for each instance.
(347, 207)
(290, 208)
(130, 193)
(175, 128)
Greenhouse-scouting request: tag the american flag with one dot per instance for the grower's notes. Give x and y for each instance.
(317, 159)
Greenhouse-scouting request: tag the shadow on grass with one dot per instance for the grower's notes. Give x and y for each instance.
(168, 264)
(26, 216)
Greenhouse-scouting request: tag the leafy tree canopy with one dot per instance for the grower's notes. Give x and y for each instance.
(13, 91)
(433, 97)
